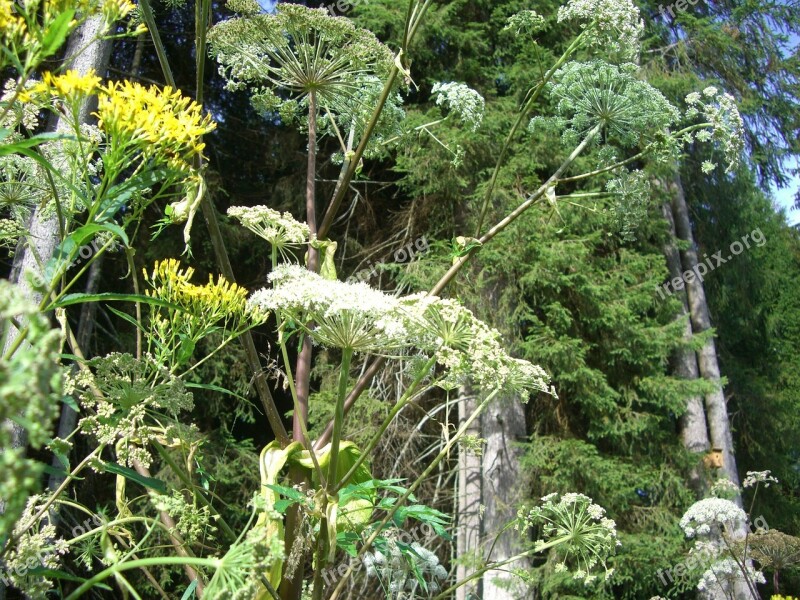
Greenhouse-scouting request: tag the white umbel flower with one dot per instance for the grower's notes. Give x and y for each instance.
(617, 26)
(347, 315)
(461, 100)
(706, 515)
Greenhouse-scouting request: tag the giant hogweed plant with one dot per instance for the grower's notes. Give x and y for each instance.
(317, 497)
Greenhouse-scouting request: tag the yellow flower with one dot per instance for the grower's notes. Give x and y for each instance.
(160, 122)
(210, 303)
(71, 86)
(114, 10)
(11, 24)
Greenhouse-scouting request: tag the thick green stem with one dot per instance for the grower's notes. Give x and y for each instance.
(407, 395)
(413, 20)
(212, 563)
(303, 368)
(443, 453)
(338, 415)
(533, 97)
(513, 215)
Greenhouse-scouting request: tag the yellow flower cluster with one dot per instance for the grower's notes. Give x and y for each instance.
(213, 302)
(28, 23)
(71, 86)
(11, 24)
(161, 123)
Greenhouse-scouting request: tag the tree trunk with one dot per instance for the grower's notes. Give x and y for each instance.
(502, 425)
(84, 51)
(468, 533)
(716, 407)
(683, 363)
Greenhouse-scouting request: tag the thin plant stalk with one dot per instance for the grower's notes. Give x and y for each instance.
(443, 453)
(303, 367)
(533, 97)
(338, 415)
(404, 399)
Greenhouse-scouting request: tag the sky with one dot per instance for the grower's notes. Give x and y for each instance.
(785, 198)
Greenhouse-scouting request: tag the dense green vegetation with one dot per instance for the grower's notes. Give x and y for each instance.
(571, 285)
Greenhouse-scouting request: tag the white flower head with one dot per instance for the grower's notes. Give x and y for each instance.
(711, 514)
(725, 574)
(724, 488)
(585, 537)
(280, 230)
(347, 315)
(725, 124)
(753, 478)
(616, 24)
(461, 100)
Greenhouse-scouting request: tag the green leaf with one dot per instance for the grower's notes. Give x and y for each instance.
(118, 196)
(79, 298)
(150, 482)
(189, 593)
(57, 32)
(126, 317)
(289, 492)
(29, 142)
(70, 401)
(186, 349)
(346, 540)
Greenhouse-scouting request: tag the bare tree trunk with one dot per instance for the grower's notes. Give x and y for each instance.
(716, 407)
(693, 425)
(468, 534)
(84, 51)
(503, 424)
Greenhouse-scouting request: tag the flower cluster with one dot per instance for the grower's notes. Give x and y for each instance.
(706, 515)
(347, 315)
(632, 191)
(726, 124)
(357, 317)
(525, 21)
(753, 478)
(26, 27)
(193, 523)
(31, 388)
(202, 309)
(238, 571)
(629, 110)
(467, 347)
(612, 25)
(401, 571)
(18, 113)
(131, 393)
(160, 122)
(462, 100)
(297, 49)
(36, 548)
(724, 488)
(71, 86)
(725, 574)
(282, 231)
(774, 549)
(577, 529)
